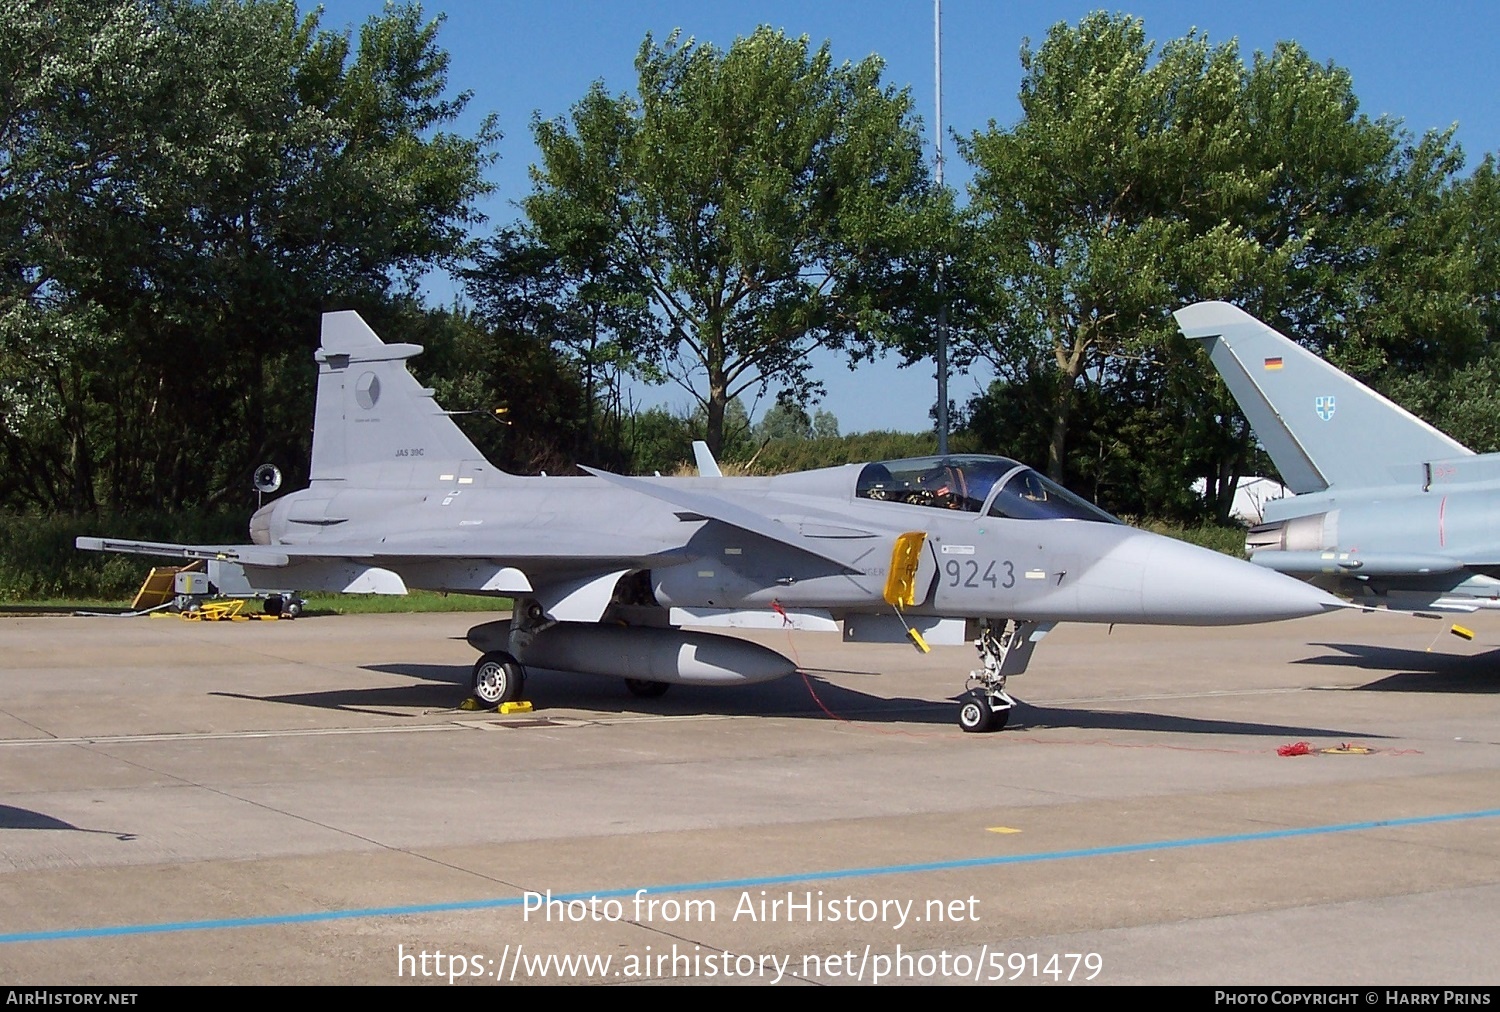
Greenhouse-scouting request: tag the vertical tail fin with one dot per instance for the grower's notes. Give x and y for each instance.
(1322, 427)
(374, 424)
(707, 466)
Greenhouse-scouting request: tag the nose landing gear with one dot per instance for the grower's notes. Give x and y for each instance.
(986, 705)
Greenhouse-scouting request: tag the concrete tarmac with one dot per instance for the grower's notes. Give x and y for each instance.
(301, 802)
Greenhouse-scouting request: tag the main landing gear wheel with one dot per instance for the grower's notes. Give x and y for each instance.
(498, 678)
(645, 688)
(283, 607)
(977, 716)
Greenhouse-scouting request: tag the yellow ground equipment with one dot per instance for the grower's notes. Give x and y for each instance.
(194, 597)
(161, 586)
(217, 611)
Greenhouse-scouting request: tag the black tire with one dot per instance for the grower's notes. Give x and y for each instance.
(498, 678)
(293, 607)
(273, 605)
(645, 688)
(977, 716)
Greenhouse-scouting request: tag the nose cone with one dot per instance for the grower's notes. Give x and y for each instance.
(1183, 584)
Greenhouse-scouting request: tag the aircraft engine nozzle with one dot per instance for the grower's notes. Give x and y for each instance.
(675, 656)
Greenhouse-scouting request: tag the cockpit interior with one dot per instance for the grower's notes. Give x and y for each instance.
(973, 483)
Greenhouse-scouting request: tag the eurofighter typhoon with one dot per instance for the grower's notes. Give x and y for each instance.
(606, 571)
(1388, 510)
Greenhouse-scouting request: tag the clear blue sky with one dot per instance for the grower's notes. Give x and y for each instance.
(1430, 65)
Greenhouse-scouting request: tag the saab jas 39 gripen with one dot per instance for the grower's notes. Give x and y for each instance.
(606, 571)
(1388, 510)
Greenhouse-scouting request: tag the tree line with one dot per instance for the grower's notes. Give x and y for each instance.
(186, 185)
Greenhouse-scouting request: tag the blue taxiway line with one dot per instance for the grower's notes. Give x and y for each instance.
(169, 927)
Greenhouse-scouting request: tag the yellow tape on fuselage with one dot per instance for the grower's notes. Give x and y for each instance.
(901, 581)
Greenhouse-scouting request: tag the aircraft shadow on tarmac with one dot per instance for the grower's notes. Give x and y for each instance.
(443, 687)
(1415, 670)
(24, 818)
(1061, 717)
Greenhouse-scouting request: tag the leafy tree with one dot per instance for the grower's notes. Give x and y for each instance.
(766, 200)
(578, 307)
(1138, 181)
(1116, 178)
(184, 185)
(739, 442)
(783, 455)
(1446, 367)
(660, 441)
(519, 403)
(784, 420)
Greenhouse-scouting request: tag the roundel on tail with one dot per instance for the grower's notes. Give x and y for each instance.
(367, 390)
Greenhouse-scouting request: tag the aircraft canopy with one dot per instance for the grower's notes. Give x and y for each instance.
(973, 483)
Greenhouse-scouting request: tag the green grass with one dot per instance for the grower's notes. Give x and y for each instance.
(385, 604)
(61, 606)
(1229, 540)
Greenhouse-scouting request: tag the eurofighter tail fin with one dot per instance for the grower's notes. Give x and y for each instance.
(375, 426)
(1322, 427)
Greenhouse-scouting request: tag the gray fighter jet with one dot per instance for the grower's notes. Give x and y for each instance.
(1388, 510)
(606, 570)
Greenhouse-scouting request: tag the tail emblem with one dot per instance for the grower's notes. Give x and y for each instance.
(367, 390)
(1325, 407)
